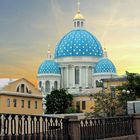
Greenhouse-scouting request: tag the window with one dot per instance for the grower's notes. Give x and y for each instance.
(40, 84)
(22, 103)
(47, 86)
(76, 75)
(29, 104)
(81, 24)
(78, 105)
(35, 104)
(55, 85)
(78, 24)
(18, 89)
(15, 102)
(8, 102)
(83, 105)
(22, 88)
(27, 90)
(74, 24)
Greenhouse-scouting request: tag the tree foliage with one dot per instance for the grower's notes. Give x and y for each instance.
(58, 101)
(105, 105)
(133, 84)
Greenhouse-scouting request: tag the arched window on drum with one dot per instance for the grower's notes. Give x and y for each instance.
(40, 84)
(55, 85)
(76, 75)
(47, 86)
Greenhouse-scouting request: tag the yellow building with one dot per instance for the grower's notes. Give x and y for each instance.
(20, 97)
(83, 103)
(110, 85)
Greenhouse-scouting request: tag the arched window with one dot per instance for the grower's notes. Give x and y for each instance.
(77, 75)
(55, 85)
(27, 90)
(22, 88)
(82, 24)
(18, 89)
(78, 23)
(74, 24)
(40, 84)
(47, 86)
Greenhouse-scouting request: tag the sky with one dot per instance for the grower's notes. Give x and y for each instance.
(28, 26)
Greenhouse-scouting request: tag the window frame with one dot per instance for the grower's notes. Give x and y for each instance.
(77, 75)
(83, 105)
(8, 102)
(29, 104)
(22, 103)
(36, 104)
(15, 102)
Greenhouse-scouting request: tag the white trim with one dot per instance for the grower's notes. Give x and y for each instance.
(108, 74)
(19, 94)
(58, 75)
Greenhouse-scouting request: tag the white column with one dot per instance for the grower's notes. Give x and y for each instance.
(62, 77)
(80, 76)
(86, 76)
(67, 69)
(73, 76)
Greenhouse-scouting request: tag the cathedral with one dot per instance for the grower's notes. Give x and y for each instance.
(79, 64)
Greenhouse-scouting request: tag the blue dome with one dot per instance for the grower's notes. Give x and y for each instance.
(78, 42)
(49, 67)
(105, 66)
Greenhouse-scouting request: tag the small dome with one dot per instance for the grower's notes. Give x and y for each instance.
(78, 42)
(105, 66)
(78, 16)
(49, 67)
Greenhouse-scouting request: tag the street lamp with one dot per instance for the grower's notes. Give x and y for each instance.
(126, 92)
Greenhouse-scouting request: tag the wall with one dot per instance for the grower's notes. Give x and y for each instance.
(89, 103)
(18, 109)
(13, 86)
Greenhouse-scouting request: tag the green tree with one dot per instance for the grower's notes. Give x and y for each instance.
(133, 84)
(58, 101)
(105, 105)
(71, 110)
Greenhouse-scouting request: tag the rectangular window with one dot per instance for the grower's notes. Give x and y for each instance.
(8, 102)
(15, 102)
(83, 105)
(22, 103)
(22, 88)
(78, 105)
(35, 104)
(76, 75)
(29, 104)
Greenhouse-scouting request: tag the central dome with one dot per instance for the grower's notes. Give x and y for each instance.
(78, 42)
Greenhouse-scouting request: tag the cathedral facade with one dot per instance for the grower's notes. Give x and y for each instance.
(79, 63)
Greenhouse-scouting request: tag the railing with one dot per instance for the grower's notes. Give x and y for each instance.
(94, 129)
(31, 127)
